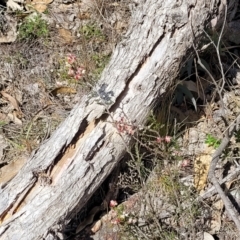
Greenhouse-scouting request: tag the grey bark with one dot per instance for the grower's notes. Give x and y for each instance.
(64, 172)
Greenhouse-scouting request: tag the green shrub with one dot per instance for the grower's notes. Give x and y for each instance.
(91, 31)
(33, 28)
(211, 141)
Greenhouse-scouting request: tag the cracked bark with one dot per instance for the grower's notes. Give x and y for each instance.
(86, 147)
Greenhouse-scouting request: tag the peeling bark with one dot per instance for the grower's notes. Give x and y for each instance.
(64, 172)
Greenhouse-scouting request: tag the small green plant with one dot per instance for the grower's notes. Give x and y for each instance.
(91, 31)
(211, 141)
(33, 28)
(2, 123)
(100, 63)
(237, 136)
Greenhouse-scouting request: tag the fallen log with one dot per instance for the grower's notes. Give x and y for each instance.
(60, 176)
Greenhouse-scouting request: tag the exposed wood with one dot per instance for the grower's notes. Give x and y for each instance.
(64, 172)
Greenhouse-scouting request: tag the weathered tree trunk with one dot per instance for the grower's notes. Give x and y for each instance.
(65, 171)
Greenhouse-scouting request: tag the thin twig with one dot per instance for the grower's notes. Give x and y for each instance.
(232, 213)
(211, 76)
(219, 60)
(218, 46)
(212, 190)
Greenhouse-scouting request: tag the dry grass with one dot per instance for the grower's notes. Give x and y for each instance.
(34, 67)
(35, 74)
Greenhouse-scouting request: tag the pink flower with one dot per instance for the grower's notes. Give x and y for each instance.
(71, 58)
(77, 76)
(70, 72)
(120, 127)
(79, 73)
(185, 163)
(113, 203)
(80, 70)
(129, 129)
(167, 139)
(116, 221)
(159, 139)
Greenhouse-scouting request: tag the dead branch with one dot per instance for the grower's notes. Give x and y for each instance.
(232, 213)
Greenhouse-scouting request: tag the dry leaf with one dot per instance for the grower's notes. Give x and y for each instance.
(12, 100)
(96, 226)
(14, 5)
(192, 86)
(201, 167)
(66, 35)
(40, 5)
(13, 117)
(10, 170)
(207, 236)
(83, 15)
(63, 90)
